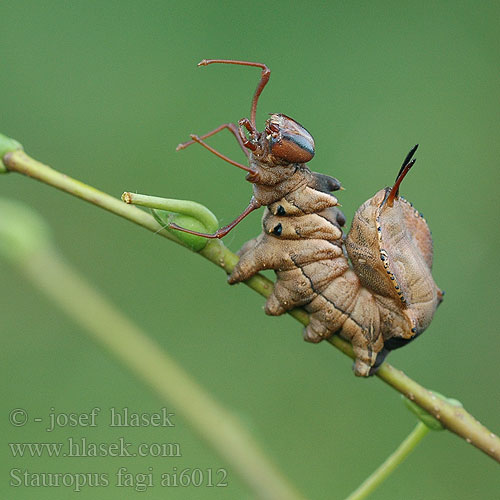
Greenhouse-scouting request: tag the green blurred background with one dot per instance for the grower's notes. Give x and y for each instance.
(104, 91)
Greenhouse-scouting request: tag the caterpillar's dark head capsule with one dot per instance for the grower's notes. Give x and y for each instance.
(288, 140)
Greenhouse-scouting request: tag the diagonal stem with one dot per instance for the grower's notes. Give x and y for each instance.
(455, 419)
(383, 472)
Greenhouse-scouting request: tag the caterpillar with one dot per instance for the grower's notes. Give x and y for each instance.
(385, 297)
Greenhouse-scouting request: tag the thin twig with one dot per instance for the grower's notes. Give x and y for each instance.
(402, 451)
(453, 418)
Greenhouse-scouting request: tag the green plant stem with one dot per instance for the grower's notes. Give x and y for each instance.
(151, 363)
(403, 450)
(455, 419)
(196, 210)
(24, 164)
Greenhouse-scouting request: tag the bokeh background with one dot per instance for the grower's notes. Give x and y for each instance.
(104, 91)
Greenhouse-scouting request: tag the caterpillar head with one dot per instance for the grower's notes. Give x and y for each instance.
(283, 141)
(390, 247)
(286, 140)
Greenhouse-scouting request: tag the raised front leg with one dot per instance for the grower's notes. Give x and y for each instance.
(229, 126)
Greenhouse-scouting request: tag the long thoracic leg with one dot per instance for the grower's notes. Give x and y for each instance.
(229, 126)
(220, 155)
(264, 78)
(253, 205)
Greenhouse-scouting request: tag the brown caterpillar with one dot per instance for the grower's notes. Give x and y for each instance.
(386, 298)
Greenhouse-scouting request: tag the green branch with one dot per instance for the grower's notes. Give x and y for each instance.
(453, 418)
(403, 450)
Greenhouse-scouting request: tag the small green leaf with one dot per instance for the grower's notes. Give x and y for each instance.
(195, 243)
(186, 214)
(6, 146)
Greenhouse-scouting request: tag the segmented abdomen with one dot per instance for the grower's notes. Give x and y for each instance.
(303, 242)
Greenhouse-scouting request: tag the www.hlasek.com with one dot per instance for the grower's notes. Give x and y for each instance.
(138, 481)
(82, 447)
